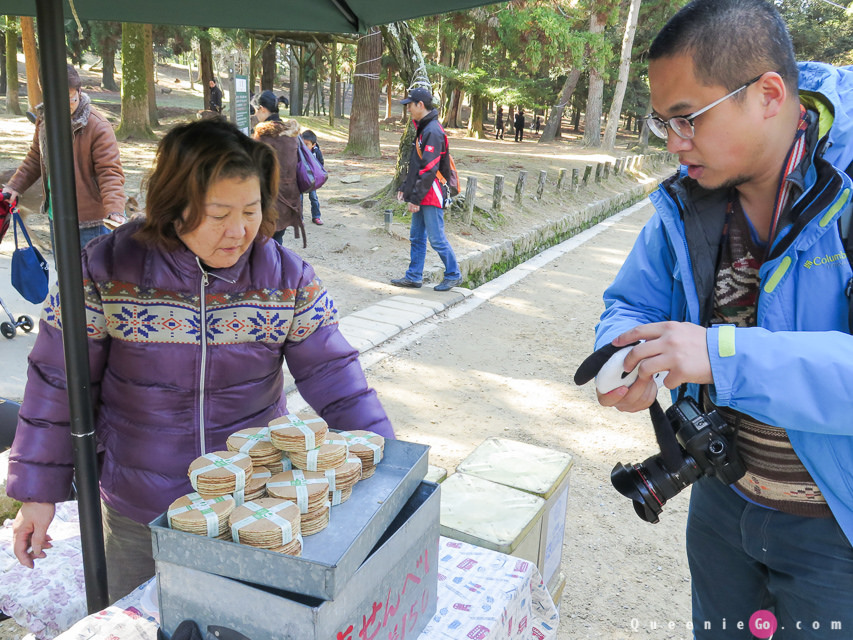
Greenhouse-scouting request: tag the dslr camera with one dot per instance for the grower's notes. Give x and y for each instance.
(707, 448)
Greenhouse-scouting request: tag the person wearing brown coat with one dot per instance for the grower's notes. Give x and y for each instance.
(283, 137)
(97, 166)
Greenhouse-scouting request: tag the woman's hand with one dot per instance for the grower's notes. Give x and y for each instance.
(29, 531)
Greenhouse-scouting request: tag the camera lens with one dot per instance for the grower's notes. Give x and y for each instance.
(650, 484)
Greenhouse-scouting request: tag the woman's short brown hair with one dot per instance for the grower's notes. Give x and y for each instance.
(190, 158)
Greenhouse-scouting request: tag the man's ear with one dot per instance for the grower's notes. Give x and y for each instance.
(774, 93)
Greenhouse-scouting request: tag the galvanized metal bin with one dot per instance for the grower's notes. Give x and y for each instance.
(329, 558)
(535, 470)
(491, 515)
(393, 594)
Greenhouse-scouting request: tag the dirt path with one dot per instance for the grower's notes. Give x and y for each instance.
(505, 369)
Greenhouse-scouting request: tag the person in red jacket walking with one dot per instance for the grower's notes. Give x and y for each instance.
(425, 194)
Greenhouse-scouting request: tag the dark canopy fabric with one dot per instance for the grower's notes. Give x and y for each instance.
(330, 16)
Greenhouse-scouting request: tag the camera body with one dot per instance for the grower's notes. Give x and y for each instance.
(707, 444)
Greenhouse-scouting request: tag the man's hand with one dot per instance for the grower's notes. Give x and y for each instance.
(29, 531)
(678, 347)
(399, 196)
(413, 208)
(11, 196)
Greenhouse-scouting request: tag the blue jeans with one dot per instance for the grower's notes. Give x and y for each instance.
(88, 233)
(744, 557)
(315, 204)
(428, 222)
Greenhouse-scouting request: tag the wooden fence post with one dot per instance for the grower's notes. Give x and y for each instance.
(470, 192)
(561, 181)
(586, 174)
(519, 186)
(498, 194)
(575, 176)
(543, 176)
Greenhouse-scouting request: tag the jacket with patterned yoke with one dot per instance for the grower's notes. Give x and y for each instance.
(181, 357)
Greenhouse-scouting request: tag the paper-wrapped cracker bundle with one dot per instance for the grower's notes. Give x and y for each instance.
(220, 473)
(256, 442)
(330, 454)
(193, 514)
(256, 488)
(308, 489)
(368, 446)
(342, 479)
(282, 464)
(316, 521)
(268, 523)
(292, 433)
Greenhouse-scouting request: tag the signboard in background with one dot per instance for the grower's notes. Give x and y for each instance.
(240, 115)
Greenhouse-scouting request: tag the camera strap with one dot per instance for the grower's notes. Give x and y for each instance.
(669, 447)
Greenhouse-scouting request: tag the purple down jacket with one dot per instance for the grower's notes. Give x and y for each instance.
(163, 396)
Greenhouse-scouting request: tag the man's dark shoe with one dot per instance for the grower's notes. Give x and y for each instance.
(405, 282)
(447, 284)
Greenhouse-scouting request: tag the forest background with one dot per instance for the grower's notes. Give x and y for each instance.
(571, 63)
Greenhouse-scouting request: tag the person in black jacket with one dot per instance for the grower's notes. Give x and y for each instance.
(426, 194)
(499, 124)
(519, 126)
(215, 102)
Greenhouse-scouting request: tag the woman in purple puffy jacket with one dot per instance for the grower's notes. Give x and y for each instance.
(191, 314)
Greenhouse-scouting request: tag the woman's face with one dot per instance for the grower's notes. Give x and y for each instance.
(231, 219)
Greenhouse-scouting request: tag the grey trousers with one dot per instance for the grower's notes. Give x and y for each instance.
(130, 560)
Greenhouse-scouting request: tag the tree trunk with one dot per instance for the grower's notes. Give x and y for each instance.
(268, 66)
(622, 82)
(478, 102)
(389, 93)
(296, 82)
(552, 126)
(643, 140)
(205, 64)
(412, 68)
(445, 59)
(363, 122)
(13, 105)
(150, 62)
(463, 63)
(333, 88)
(3, 66)
(134, 84)
(592, 121)
(253, 63)
(28, 37)
(108, 73)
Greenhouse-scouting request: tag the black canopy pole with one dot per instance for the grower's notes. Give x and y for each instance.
(63, 196)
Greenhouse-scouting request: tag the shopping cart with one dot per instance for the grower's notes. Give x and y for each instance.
(9, 329)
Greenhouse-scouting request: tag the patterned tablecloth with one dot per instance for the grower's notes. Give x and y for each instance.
(482, 595)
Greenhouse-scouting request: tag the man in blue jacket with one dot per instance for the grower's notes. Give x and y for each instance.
(737, 288)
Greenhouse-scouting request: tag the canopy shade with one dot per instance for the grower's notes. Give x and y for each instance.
(330, 16)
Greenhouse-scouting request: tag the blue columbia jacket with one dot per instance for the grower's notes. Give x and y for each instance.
(795, 368)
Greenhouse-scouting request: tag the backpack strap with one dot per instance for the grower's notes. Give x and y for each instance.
(441, 179)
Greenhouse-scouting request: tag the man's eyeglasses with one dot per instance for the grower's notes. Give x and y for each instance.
(683, 125)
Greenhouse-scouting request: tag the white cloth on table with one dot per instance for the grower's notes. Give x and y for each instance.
(48, 599)
(484, 594)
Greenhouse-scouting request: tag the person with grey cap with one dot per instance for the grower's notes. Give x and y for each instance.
(426, 194)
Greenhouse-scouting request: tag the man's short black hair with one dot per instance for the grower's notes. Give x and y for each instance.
(730, 41)
(310, 136)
